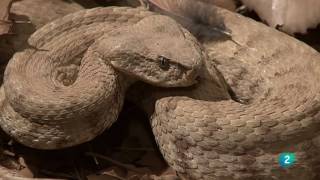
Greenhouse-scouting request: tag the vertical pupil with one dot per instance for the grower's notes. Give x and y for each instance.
(164, 62)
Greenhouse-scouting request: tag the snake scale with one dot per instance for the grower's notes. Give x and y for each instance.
(201, 139)
(65, 82)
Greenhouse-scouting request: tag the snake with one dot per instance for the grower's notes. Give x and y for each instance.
(203, 133)
(277, 77)
(74, 75)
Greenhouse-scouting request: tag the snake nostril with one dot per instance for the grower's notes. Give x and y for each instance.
(198, 79)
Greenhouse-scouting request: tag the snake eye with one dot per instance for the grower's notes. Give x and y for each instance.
(164, 62)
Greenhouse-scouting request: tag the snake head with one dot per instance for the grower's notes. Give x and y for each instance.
(156, 50)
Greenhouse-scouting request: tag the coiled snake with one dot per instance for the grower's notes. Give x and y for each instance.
(45, 105)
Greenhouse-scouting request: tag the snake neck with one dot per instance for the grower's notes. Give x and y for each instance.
(211, 86)
(126, 82)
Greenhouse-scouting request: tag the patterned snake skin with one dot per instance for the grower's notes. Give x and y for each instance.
(223, 139)
(64, 91)
(52, 90)
(278, 79)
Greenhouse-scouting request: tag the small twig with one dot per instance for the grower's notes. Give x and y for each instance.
(144, 4)
(21, 22)
(2, 21)
(242, 9)
(113, 161)
(133, 149)
(55, 174)
(14, 22)
(114, 176)
(235, 42)
(9, 153)
(10, 143)
(11, 33)
(77, 172)
(93, 157)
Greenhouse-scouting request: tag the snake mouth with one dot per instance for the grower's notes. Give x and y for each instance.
(153, 72)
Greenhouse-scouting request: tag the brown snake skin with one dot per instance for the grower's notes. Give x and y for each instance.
(49, 98)
(222, 139)
(278, 77)
(63, 90)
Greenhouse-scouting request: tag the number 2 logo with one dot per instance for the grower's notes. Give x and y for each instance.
(287, 159)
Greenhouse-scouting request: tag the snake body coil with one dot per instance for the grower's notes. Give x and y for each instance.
(65, 91)
(278, 77)
(220, 139)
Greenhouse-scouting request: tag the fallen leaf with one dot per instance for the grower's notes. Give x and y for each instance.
(103, 177)
(26, 172)
(5, 23)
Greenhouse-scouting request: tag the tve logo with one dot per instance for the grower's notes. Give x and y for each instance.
(287, 159)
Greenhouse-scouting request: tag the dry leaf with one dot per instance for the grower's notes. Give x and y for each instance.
(26, 172)
(200, 18)
(5, 23)
(290, 16)
(103, 177)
